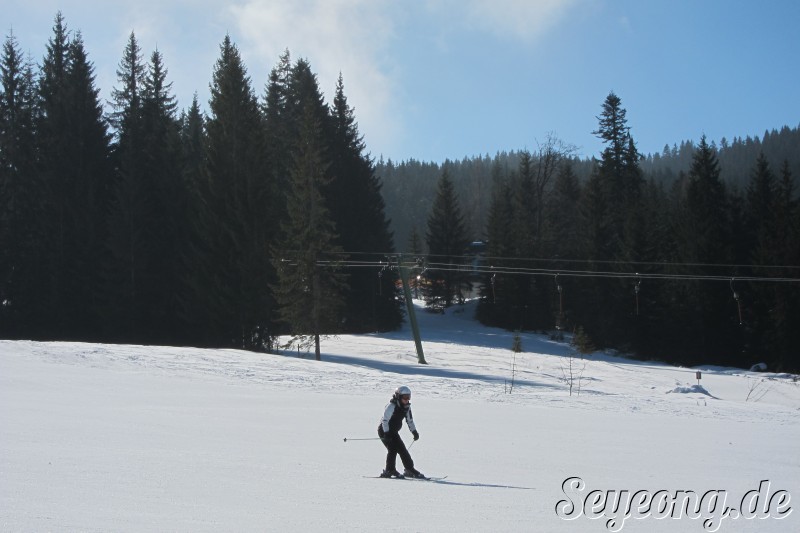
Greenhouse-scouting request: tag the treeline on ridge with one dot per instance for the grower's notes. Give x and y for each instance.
(658, 256)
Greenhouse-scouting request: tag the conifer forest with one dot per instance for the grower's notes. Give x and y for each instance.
(136, 221)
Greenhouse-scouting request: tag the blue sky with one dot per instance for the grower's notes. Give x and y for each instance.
(439, 79)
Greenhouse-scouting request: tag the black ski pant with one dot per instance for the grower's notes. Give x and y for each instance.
(394, 447)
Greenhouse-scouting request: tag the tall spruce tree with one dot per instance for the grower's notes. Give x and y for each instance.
(761, 212)
(52, 130)
(22, 237)
(709, 313)
(497, 294)
(524, 302)
(525, 215)
(783, 338)
(648, 300)
(596, 239)
(90, 168)
(619, 173)
(550, 157)
(357, 208)
(162, 160)
(194, 219)
(768, 221)
(278, 130)
(311, 288)
(130, 274)
(530, 195)
(614, 232)
(562, 215)
(241, 307)
(447, 241)
(708, 214)
(74, 176)
(563, 229)
(303, 96)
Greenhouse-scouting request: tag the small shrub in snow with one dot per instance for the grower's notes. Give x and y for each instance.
(757, 389)
(581, 341)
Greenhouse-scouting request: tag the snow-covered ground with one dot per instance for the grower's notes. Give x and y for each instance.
(146, 438)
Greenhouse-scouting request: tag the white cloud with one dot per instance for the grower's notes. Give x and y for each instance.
(525, 20)
(347, 36)
(355, 37)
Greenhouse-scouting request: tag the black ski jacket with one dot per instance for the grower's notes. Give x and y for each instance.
(393, 417)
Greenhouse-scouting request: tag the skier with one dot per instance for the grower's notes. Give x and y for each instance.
(398, 408)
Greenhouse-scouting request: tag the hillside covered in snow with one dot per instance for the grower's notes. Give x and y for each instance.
(148, 438)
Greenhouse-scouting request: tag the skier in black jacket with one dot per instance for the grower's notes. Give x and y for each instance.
(398, 408)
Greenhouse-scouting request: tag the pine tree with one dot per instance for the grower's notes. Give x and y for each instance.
(303, 96)
(311, 288)
(708, 310)
(562, 215)
(497, 294)
(784, 338)
(563, 226)
(22, 237)
(52, 130)
(357, 207)
(768, 221)
(240, 306)
(613, 226)
(613, 130)
(529, 198)
(165, 230)
(89, 165)
(761, 211)
(73, 146)
(650, 304)
(524, 206)
(447, 240)
(619, 176)
(194, 225)
(707, 214)
(596, 239)
(550, 158)
(278, 130)
(132, 203)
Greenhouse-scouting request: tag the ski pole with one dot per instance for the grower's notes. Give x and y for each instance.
(371, 438)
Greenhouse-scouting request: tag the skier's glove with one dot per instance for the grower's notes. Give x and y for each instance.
(416, 435)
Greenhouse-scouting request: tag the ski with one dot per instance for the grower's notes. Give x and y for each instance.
(439, 478)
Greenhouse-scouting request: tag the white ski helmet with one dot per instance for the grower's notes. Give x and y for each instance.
(402, 391)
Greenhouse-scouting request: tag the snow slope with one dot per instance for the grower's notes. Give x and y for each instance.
(146, 438)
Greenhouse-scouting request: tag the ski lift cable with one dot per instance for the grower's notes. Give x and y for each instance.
(586, 261)
(494, 270)
(346, 262)
(560, 260)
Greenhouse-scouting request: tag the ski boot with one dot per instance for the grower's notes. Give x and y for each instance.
(414, 473)
(392, 473)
